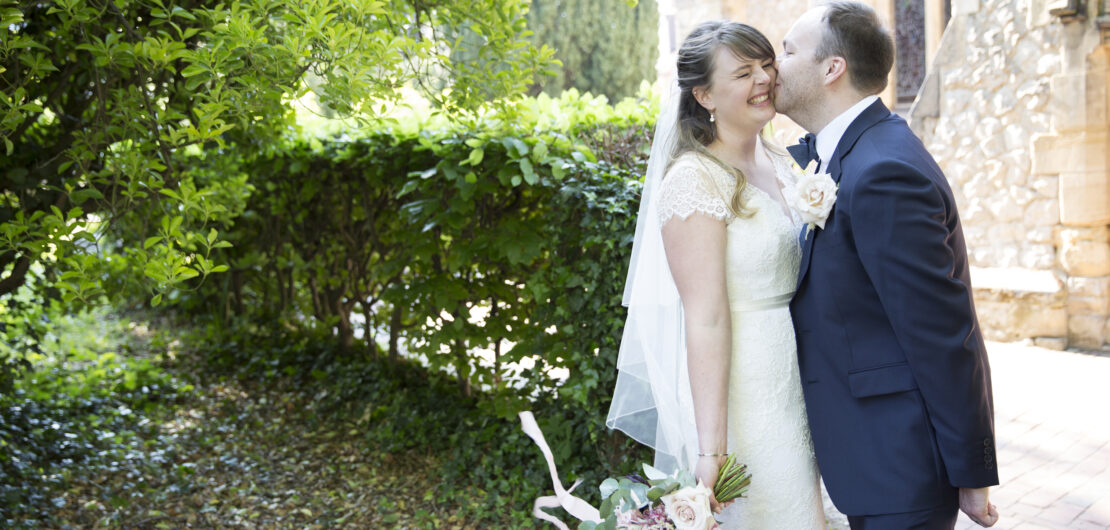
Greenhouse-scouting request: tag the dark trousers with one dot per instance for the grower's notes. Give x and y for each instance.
(940, 518)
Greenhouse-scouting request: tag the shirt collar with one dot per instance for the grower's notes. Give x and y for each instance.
(829, 137)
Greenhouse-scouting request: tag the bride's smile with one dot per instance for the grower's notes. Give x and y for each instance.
(759, 100)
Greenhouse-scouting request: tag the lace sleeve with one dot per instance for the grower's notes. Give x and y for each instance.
(685, 190)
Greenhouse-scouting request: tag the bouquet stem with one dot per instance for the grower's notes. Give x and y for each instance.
(732, 481)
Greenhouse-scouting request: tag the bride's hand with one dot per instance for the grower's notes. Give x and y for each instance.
(706, 472)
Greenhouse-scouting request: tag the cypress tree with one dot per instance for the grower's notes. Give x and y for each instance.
(606, 47)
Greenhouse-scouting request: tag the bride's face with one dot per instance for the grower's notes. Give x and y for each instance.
(740, 92)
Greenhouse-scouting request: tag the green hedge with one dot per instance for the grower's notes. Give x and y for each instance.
(526, 224)
(512, 240)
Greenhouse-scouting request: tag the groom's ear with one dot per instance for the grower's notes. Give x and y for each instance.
(835, 68)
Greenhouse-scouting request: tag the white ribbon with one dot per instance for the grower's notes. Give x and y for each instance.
(575, 506)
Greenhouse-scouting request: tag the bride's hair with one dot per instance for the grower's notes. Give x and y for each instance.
(695, 69)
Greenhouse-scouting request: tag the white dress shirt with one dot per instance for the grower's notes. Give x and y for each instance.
(829, 137)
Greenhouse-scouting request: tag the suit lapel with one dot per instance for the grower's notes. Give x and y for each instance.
(873, 114)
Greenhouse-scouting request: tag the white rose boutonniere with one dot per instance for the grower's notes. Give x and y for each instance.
(812, 196)
(688, 508)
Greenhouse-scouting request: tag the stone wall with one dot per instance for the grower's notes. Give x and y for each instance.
(994, 70)
(1014, 110)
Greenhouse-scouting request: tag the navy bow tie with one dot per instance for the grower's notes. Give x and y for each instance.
(805, 151)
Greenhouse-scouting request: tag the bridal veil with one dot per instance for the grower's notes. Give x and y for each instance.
(652, 402)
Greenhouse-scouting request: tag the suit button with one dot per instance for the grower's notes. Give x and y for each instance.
(989, 465)
(988, 459)
(987, 442)
(988, 450)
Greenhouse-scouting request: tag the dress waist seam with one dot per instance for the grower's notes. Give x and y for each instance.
(762, 304)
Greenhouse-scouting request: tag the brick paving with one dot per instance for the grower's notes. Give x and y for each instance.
(1052, 425)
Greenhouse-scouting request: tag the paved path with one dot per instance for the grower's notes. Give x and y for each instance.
(1052, 423)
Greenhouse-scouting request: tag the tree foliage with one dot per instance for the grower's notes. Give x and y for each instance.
(106, 106)
(605, 46)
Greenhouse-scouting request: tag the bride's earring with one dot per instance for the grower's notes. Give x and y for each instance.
(712, 116)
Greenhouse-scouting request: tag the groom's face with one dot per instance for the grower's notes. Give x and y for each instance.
(800, 84)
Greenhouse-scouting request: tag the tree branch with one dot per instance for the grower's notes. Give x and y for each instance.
(18, 276)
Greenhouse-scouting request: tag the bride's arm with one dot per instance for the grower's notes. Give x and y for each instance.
(695, 249)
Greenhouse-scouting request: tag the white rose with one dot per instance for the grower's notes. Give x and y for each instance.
(689, 508)
(812, 196)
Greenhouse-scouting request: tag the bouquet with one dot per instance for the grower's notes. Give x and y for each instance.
(667, 501)
(657, 502)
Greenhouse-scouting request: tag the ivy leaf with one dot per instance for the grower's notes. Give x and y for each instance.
(529, 172)
(476, 156)
(515, 146)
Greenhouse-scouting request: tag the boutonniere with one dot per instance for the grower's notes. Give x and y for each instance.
(812, 196)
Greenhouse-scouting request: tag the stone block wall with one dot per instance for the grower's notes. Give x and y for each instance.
(994, 71)
(1014, 109)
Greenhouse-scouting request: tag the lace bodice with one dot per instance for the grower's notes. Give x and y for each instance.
(763, 252)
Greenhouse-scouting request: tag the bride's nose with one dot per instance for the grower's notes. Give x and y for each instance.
(762, 76)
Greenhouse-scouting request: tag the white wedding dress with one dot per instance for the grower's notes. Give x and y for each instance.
(767, 425)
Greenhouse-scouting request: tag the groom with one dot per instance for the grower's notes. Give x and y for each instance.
(892, 360)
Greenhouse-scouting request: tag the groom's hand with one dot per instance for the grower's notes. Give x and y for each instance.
(976, 504)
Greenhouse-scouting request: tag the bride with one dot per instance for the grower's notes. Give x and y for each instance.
(708, 361)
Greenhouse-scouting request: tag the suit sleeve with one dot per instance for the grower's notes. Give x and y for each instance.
(903, 228)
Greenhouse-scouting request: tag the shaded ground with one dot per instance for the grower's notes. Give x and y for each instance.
(230, 457)
(219, 453)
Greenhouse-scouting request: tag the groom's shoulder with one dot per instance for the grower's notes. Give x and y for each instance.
(892, 127)
(890, 147)
(890, 137)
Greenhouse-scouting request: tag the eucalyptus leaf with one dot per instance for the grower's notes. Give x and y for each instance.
(608, 486)
(652, 473)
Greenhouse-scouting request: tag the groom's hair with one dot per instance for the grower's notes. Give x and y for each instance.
(853, 31)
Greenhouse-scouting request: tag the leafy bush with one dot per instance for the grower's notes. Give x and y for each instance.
(479, 250)
(435, 283)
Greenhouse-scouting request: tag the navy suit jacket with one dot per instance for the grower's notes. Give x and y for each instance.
(893, 366)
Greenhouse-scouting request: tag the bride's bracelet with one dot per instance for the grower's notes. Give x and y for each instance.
(712, 454)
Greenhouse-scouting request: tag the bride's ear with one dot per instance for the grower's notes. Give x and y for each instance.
(704, 99)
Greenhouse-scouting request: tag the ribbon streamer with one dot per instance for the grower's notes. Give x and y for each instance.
(576, 507)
